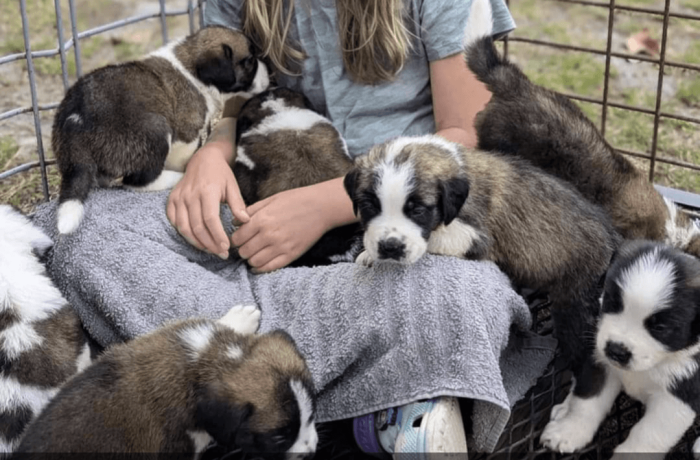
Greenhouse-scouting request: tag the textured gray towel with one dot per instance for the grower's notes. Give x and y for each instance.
(373, 337)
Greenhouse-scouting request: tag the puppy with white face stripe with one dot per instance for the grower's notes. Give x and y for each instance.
(184, 387)
(42, 343)
(648, 339)
(425, 194)
(143, 120)
(281, 144)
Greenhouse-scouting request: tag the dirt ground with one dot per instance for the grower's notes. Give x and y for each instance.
(631, 82)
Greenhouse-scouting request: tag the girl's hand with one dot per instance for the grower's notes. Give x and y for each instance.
(284, 226)
(193, 205)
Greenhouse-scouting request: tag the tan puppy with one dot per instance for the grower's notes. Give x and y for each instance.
(183, 386)
(425, 194)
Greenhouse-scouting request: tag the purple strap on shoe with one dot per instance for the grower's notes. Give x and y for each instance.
(363, 429)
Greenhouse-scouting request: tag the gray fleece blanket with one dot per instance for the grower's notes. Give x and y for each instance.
(373, 337)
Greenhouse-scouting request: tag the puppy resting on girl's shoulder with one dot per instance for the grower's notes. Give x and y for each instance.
(648, 339)
(42, 343)
(180, 388)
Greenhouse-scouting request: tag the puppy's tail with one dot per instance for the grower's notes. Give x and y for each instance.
(499, 75)
(76, 182)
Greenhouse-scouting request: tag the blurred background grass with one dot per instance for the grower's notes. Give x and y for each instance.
(632, 82)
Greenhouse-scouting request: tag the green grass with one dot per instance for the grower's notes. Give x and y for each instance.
(692, 4)
(569, 72)
(689, 91)
(8, 148)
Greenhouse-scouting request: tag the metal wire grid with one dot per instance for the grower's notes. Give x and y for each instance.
(192, 9)
(612, 7)
(64, 46)
(521, 436)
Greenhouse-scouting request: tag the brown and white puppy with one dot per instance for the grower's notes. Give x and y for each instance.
(134, 119)
(180, 388)
(281, 144)
(425, 194)
(546, 128)
(42, 343)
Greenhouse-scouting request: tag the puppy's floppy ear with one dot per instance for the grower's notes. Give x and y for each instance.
(217, 70)
(453, 195)
(224, 421)
(350, 182)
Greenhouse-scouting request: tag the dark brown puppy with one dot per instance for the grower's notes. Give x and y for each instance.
(42, 343)
(134, 119)
(281, 144)
(182, 386)
(425, 194)
(546, 128)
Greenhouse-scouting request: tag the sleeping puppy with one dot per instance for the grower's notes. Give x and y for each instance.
(182, 387)
(281, 144)
(648, 339)
(425, 194)
(134, 119)
(42, 343)
(549, 130)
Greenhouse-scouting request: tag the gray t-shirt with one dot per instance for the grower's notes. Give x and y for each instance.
(370, 114)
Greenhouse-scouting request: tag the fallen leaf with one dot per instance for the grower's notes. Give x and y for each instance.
(641, 42)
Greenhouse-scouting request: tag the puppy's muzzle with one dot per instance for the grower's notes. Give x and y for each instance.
(391, 248)
(617, 352)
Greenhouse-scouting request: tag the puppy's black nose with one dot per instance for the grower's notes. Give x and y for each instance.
(618, 353)
(391, 248)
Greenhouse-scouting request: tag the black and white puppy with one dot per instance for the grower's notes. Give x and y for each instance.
(281, 144)
(183, 386)
(548, 129)
(135, 119)
(648, 339)
(425, 194)
(42, 343)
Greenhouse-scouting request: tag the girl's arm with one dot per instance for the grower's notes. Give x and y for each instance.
(193, 204)
(457, 97)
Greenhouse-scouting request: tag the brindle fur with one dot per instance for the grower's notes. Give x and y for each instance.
(146, 395)
(549, 130)
(539, 230)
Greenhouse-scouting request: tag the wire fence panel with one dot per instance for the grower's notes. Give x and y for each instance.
(194, 12)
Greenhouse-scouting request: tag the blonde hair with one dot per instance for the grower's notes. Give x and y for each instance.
(373, 37)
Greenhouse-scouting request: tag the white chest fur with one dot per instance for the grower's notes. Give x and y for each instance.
(180, 152)
(452, 240)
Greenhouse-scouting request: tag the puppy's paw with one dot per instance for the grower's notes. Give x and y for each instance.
(567, 434)
(560, 410)
(244, 319)
(696, 449)
(364, 259)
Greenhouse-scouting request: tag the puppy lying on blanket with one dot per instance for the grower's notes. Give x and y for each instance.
(425, 194)
(183, 386)
(549, 130)
(649, 341)
(281, 144)
(137, 118)
(42, 343)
